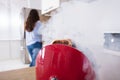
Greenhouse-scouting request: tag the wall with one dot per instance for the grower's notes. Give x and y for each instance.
(35, 4)
(11, 28)
(9, 49)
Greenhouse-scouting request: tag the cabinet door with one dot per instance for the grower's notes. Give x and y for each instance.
(49, 5)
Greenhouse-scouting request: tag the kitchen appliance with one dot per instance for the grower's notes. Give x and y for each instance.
(62, 62)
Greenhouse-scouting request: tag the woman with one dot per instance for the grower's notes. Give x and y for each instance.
(33, 38)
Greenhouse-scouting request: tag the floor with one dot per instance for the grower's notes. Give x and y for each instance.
(12, 64)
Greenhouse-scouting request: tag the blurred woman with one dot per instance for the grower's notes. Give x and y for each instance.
(33, 38)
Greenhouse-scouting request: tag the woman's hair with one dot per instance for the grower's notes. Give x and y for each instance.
(33, 17)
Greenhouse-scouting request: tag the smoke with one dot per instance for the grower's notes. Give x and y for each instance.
(70, 22)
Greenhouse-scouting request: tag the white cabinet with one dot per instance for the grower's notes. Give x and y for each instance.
(44, 5)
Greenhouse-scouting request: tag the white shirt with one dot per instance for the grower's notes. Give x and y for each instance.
(34, 36)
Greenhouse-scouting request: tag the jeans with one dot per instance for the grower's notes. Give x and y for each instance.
(33, 51)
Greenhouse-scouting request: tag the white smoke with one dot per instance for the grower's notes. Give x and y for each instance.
(85, 22)
(70, 23)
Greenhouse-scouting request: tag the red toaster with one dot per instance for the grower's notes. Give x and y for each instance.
(62, 62)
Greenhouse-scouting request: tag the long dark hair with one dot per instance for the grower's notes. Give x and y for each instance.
(33, 17)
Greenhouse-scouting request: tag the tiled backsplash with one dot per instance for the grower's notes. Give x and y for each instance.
(112, 41)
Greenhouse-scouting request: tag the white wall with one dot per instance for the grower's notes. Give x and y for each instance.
(10, 49)
(10, 14)
(35, 4)
(10, 28)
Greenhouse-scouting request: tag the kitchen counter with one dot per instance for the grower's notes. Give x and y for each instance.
(19, 74)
